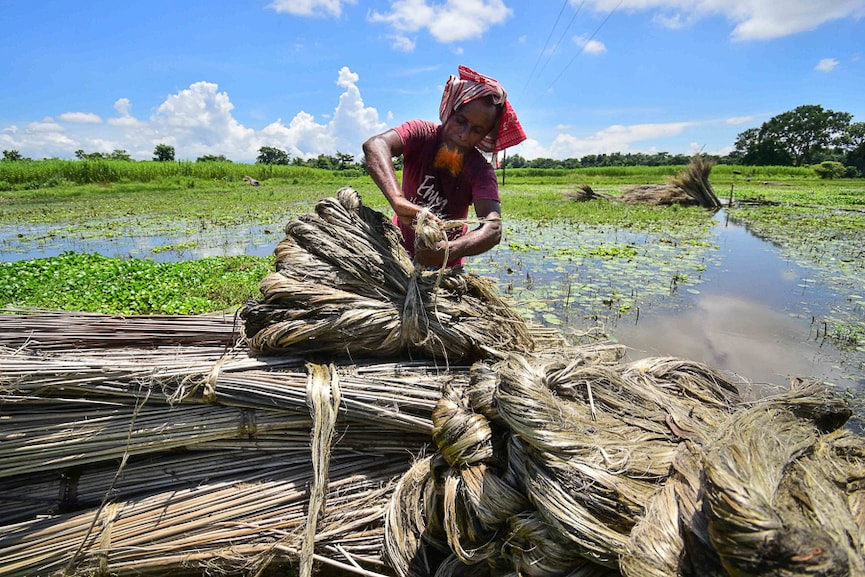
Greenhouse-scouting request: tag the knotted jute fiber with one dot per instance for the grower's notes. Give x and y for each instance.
(345, 286)
(654, 468)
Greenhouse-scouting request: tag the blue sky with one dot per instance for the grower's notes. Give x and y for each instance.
(320, 76)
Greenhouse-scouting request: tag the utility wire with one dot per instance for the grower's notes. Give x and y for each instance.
(546, 43)
(583, 47)
(564, 32)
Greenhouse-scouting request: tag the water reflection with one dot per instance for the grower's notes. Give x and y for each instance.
(755, 315)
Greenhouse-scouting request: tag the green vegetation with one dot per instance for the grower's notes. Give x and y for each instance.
(654, 250)
(90, 282)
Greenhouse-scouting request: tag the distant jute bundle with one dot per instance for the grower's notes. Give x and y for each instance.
(344, 285)
(655, 468)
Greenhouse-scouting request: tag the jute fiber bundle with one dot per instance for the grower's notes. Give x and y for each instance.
(653, 468)
(344, 285)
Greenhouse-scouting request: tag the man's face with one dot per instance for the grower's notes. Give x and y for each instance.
(469, 124)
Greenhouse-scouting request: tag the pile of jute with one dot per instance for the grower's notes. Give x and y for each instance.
(268, 445)
(345, 285)
(652, 468)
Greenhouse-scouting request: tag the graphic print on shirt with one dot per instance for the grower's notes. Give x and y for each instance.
(432, 199)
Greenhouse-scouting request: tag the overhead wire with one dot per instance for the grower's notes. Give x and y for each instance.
(583, 47)
(546, 43)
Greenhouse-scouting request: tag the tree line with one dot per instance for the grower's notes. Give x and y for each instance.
(805, 136)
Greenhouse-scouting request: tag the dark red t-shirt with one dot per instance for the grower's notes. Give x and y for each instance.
(448, 197)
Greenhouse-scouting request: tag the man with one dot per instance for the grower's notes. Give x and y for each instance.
(444, 170)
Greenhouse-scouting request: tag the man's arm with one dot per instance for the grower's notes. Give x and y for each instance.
(379, 152)
(474, 242)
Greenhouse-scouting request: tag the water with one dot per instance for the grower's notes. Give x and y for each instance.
(755, 315)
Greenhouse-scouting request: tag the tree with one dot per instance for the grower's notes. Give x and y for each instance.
(212, 158)
(854, 143)
(119, 154)
(163, 153)
(515, 161)
(271, 155)
(752, 147)
(344, 160)
(12, 156)
(805, 131)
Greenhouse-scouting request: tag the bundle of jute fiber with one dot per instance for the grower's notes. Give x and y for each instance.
(344, 285)
(650, 468)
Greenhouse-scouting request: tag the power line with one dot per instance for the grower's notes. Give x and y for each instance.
(546, 42)
(564, 32)
(550, 35)
(583, 47)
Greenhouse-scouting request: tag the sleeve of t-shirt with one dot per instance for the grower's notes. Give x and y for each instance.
(485, 184)
(414, 133)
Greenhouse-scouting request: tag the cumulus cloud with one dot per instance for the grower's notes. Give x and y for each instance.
(752, 19)
(199, 120)
(123, 106)
(590, 46)
(452, 21)
(310, 7)
(402, 43)
(80, 118)
(615, 138)
(826, 65)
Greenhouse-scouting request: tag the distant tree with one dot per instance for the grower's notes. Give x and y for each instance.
(212, 158)
(326, 162)
(854, 144)
(12, 156)
(344, 160)
(515, 161)
(271, 155)
(805, 131)
(544, 163)
(163, 153)
(119, 155)
(81, 155)
(755, 147)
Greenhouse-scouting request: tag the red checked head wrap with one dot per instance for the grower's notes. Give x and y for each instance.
(471, 85)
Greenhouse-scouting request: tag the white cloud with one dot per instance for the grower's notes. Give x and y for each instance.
(310, 7)
(199, 120)
(752, 19)
(123, 106)
(739, 120)
(452, 21)
(590, 46)
(402, 43)
(826, 65)
(45, 125)
(615, 138)
(80, 118)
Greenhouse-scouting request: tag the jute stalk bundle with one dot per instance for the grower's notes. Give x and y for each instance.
(652, 468)
(49, 330)
(344, 285)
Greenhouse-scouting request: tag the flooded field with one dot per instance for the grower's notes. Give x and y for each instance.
(718, 295)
